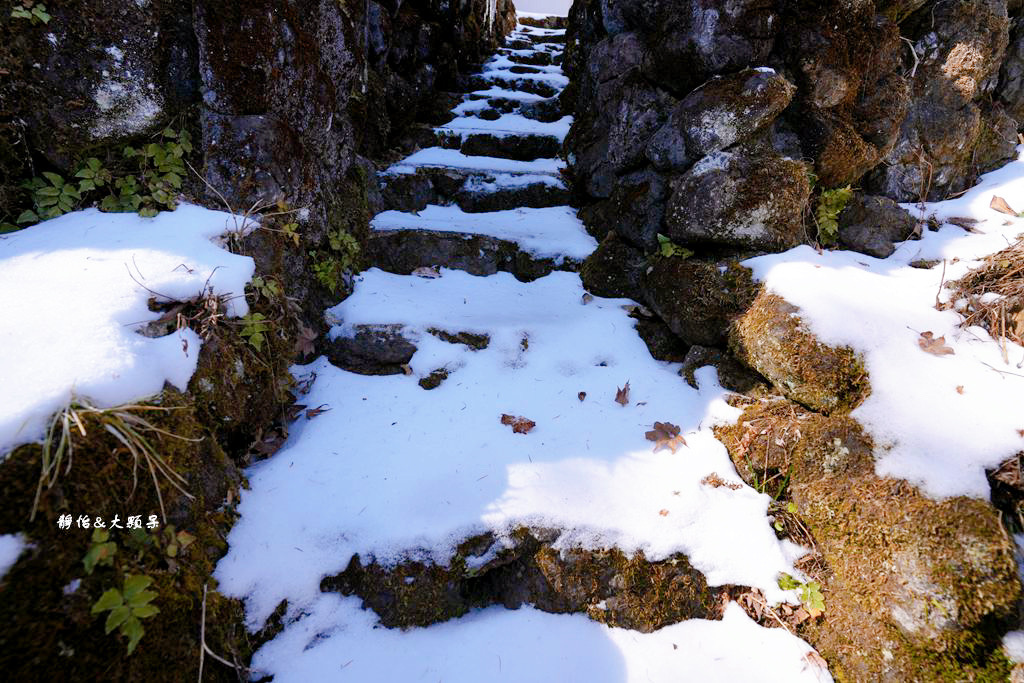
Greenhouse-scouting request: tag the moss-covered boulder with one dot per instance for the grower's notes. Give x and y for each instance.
(915, 588)
(607, 585)
(718, 114)
(697, 298)
(771, 338)
(742, 198)
(615, 269)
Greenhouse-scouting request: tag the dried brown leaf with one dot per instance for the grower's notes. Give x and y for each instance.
(665, 435)
(430, 272)
(934, 345)
(519, 424)
(320, 409)
(582, 395)
(663, 512)
(622, 395)
(999, 204)
(304, 344)
(960, 389)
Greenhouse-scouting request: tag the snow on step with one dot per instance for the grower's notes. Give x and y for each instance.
(338, 641)
(439, 157)
(501, 62)
(392, 469)
(496, 91)
(545, 233)
(508, 125)
(88, 272)
(555, 80)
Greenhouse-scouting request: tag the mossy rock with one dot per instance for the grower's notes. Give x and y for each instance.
(915, 588)
(771, 338)
(697, 298)
(49, 632)
(607, 585)
(614, 269)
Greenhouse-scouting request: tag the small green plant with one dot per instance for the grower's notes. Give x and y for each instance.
(52, 195)
(830, 204)
(254, 329)
(330, 268)
(667, 248)
(124, 196)
(92, 175)
(266, 287)
(176, 541)
(128, 607)
(29, 9)
(810, 593)
(291, 231)
(101, 551)
(161, 170)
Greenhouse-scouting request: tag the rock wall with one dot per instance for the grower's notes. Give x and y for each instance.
(903, 99)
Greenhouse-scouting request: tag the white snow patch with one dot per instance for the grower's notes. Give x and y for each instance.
(545, 232)
(716, 161)
(453, 158)
(11, 547)
(415, 474)
(508, 125)
(924, 429)
(495, 644)
(1013, 645)
(74, 294)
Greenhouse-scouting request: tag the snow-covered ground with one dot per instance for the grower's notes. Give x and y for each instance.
(75, 291)
(937, 420)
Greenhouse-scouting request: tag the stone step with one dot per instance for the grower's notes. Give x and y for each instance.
(518, 146)
(404, 251)
(473, 190)
(531, 57)
(513, 82)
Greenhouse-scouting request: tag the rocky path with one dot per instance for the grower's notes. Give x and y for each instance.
(477, 440)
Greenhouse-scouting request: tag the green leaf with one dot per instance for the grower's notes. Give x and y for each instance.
(86, 185)
(169, 133)
(109, 600)
(48, 191)
(21, 13)
(54, 178)
(40, 13)
(134, 584)
(787, 582)
(85, 173)
(27, 217)
(133, 629)
(145, 611)
(146, 212)
(143, 598)
(117, 617)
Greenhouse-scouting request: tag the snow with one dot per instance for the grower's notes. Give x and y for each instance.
(453, 158)
(11, 547)
(418, 472)
(546, 232)
(1013, 645)
(502, 62)
(74, 292)
(924, 429)
(496, 91)
(496, 74)
(509, 124)
(338, 639)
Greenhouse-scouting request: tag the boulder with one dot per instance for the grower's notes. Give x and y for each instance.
(744, 199)
(698, 299)
(915, 588)
(771, 338)
(721, 112)
(614, 270)
(959, 47)
(872, 224)
(634, 210)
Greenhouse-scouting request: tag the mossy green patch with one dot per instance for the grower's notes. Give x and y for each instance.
(916, 589)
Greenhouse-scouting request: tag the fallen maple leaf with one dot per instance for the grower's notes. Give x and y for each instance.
(304, 344)
(934, 345)
(960, 389)
(519, 424)
(663, 513)
(622, 395)
(665, 435)
(999, 204)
